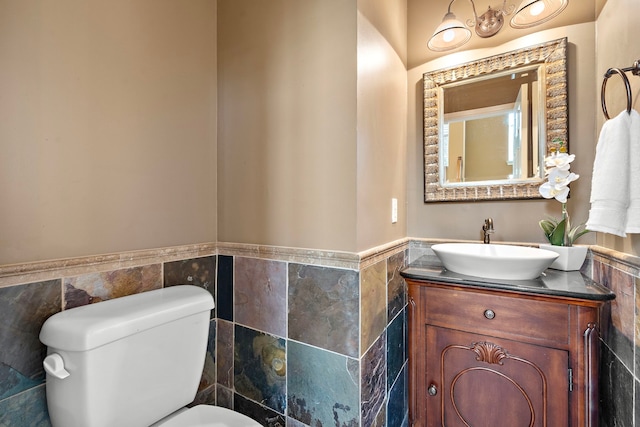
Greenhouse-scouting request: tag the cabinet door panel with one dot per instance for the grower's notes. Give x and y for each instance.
(483, 381)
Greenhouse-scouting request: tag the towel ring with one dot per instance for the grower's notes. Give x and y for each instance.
(610, 72)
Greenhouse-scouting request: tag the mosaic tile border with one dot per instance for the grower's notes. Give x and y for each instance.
(628, 263)
(380, 253)
(14, 274)
(338, 259)
(335, 259)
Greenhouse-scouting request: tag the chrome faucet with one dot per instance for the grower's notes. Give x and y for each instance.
(487, 230)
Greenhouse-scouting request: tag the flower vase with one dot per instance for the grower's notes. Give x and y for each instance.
(571, 257)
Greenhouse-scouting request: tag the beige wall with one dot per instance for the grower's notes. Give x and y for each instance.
(487, 158)
(108, 129)
(107, 126)
(515, 221)
(381, 126)
(312, 122)
(287, 123)
(389, 18)
(618, 30)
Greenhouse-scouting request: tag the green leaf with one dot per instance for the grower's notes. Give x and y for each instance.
(575, 233)
(557, 236)
(548, 225)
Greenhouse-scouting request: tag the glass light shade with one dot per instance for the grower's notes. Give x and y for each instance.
(450, 34)
(535, 12)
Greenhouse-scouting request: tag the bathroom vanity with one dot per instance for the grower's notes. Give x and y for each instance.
(487, 352)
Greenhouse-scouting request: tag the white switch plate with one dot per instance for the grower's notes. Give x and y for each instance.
(394, 211)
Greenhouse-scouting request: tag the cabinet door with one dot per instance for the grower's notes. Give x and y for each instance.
(481, 381)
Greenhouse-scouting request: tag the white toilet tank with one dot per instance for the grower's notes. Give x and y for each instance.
(129, 361)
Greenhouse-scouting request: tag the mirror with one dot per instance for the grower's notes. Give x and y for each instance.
(488, 124)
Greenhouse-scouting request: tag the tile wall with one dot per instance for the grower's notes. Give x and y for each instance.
(297, 338)
(620, 339)
(25, 306)
(312, 342)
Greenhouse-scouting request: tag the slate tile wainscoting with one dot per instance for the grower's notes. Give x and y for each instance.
(297, 338)
(30, 293)
(620, 338)
(312, 338)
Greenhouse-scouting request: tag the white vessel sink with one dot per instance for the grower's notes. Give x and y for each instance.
(505, 262)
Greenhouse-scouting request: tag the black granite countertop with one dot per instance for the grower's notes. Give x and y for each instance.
(572, 284)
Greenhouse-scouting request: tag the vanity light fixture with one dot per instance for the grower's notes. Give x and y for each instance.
(534, 12)
(452, 33)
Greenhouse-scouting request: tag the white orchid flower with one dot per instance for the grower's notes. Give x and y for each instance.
(559, 160)
(559, 232)
(561, 177)
(558, 192)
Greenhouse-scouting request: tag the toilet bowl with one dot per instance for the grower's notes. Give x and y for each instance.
(207, 416)
(134, 361)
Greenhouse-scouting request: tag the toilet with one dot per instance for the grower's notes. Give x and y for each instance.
(134, 361)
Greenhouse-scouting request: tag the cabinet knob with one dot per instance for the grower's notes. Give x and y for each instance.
(432, 390)
(489, 314)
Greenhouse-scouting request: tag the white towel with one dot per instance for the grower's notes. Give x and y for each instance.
(610, 180)
(633, 212)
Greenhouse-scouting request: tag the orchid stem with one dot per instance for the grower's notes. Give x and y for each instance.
(565, 217)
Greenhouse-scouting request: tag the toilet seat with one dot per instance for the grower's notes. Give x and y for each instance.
(209, 416)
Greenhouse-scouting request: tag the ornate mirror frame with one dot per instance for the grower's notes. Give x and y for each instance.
(552, 55)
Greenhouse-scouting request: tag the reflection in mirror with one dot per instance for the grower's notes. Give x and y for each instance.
(490, 128)
(489, 123)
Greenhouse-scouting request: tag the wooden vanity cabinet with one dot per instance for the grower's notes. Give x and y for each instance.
(484, 357)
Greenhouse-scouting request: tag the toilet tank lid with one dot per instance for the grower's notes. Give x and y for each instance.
(94, 325)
